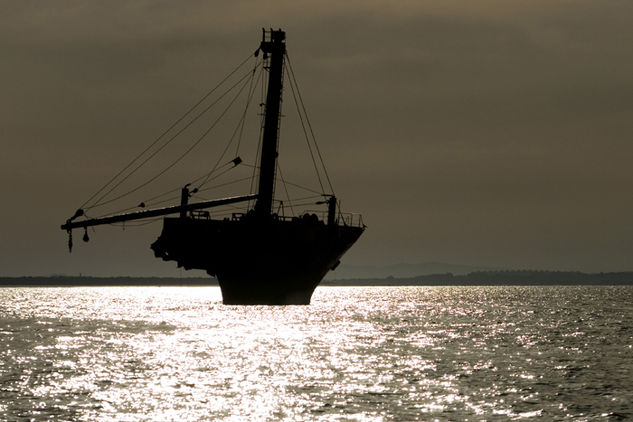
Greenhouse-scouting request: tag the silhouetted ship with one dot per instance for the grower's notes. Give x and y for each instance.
(258, 257)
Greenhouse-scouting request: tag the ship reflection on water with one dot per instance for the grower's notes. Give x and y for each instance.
(360, 353)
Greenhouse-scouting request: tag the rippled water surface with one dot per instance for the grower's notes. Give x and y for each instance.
(359, 353)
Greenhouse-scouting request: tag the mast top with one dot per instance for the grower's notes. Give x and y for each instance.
(272, 36)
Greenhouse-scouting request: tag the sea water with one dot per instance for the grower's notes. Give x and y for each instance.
(356, 353)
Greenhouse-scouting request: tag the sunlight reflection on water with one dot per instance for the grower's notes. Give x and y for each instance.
(357, 353)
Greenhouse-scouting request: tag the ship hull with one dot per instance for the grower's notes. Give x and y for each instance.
(258, 261)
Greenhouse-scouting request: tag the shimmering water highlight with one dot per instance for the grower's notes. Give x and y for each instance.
(358, 353)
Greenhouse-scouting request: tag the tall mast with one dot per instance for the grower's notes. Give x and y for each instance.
(273, 47)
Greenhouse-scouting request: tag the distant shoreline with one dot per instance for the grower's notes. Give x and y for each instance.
(478, 278)
(498, 278)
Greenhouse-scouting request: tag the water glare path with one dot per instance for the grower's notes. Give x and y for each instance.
(358, 353)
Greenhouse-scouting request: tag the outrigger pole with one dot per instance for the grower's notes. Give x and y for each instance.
(156, 212)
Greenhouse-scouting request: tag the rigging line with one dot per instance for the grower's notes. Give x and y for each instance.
(305, 132)
(177, 160)
(305, 198)
(306, 201)
(262, 119)
(222, 208)
(229, 209)
(235, 207)
(241, 122)
(208, 178)
(204, 97)
(248, 102)
(149, 201)
(251, 90)
(255, 167)
(285, 188)
(199, 178)
(220, 174)
(259, 140)
(303, 187)
(171, 199)
(144, 223)
(304, 204)
(316, 145)
(196, 180)
(99, 203)
(162, 194)
(224, 184)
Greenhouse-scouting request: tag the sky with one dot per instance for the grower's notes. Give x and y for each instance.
(493, 133)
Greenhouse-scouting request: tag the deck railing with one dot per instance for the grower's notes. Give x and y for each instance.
(343, 218)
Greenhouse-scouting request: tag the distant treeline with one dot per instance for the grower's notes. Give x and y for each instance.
(486, 278)
(477, 278)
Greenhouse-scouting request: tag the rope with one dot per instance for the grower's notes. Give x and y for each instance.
(221, 185)
(173, 198)
(220, 174)
(304, 204)
(181, 118)
(148, 201)
(251, 91)
(305, 198)
(285, 188)
(305, 133)
(308, 189)
(262, 119)
(206, 177)
(252, 80)
(143, 223)
(181, 156)
(292, 74)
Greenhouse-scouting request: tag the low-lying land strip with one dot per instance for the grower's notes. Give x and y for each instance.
(477, 278)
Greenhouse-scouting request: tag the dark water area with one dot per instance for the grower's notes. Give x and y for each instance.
(356, 353)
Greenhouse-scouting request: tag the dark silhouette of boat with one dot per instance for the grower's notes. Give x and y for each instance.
(257, 256)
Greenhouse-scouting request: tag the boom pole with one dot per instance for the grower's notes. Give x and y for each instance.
(156, 212)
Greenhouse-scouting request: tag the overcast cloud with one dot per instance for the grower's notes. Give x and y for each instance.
(491, 133)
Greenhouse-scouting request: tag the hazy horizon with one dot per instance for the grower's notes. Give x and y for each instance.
(343, 272)
(494, 134)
